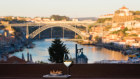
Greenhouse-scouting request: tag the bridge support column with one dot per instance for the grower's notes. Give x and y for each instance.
(87, 28)
(27, 32)
(39, 30)
(75, 33)
(63, 33)
(51, 32)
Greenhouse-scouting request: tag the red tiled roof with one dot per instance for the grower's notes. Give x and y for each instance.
(124, 7)
(15, 59)
(122, 27)
(123, 41)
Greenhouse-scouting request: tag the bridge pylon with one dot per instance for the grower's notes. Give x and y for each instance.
(27, 32)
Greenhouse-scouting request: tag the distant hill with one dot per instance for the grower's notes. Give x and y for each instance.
(87, 18)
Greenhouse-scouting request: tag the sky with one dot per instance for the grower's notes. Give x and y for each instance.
(71, 8)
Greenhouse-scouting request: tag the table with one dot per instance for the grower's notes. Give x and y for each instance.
(56, 76)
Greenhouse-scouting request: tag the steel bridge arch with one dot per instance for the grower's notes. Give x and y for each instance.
(70, 27)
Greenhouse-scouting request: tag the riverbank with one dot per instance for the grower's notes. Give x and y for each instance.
(126, 50)
(122, 48)
(15, 47)
(109, 46)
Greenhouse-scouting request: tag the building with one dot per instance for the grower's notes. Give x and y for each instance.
(5, 58)
(52, 19)
(4, 33)
(75, 20)
(132, 24)
(16, 60)
(1, 32)
(114, 29)
(10, 29)
(123, 15)
(4, 22)
(46, 19)
(124, 12)
(12, 60)
(28, 19)
(107, 16)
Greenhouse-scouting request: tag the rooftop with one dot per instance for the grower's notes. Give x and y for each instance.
(124, 7)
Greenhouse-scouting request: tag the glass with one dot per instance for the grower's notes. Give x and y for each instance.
(67, 64)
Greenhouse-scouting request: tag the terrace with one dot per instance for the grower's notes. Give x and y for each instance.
(77, 71)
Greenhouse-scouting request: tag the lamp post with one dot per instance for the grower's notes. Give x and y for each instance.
(77, 51)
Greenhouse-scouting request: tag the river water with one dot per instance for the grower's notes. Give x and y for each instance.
(40, 52)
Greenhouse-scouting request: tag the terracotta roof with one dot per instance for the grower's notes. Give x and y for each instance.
(111, 39)
(124, 7)
(122, 27)
(15, 59)
(137, 39)
(123, 41)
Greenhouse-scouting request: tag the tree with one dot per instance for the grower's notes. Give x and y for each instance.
(136, 12)
(58, 51)
(8, 18)
(59, 18)
(98, 39)
(102, 20)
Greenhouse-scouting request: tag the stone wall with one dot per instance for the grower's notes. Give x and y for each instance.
(122, 18)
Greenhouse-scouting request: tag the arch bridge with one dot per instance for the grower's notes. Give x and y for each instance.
(39, 30)
(44, 26)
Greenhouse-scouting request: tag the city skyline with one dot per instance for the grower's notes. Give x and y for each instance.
(71, 8)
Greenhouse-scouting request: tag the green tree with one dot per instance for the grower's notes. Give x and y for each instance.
(98, 39)
(125, 29)
(138, 19)
(59, 18)
(102, 20)
(136, 12)
(107, 28)
(58, 51)
(134, 35)
(9, 18)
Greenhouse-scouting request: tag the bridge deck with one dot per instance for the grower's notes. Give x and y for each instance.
(64, 39)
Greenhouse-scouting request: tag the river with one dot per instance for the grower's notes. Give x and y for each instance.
(40, 52)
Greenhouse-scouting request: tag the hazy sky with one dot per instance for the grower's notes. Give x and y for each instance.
(71, 8)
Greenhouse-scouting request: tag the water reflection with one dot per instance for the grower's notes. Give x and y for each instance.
(40, 52)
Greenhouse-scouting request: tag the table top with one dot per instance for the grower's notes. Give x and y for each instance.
(56, 76)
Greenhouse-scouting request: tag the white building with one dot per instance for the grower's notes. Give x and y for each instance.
(124, 11)
(107, 16)
(74, 19)
(1, 32)
(115, 29)
(46, 19)
(132, 24)
(37, 18)
(135, 44)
